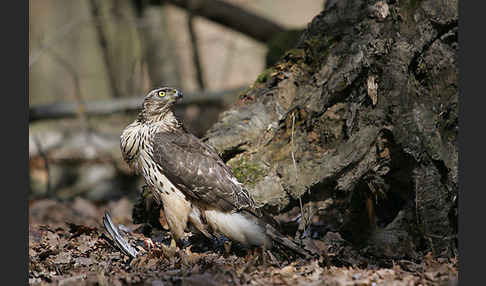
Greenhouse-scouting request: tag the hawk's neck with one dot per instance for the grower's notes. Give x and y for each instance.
(136, 138)
(164, 119)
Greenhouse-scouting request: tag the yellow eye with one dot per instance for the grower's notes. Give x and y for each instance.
(161, 93)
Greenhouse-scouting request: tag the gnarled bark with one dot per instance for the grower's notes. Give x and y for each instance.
(362, 112)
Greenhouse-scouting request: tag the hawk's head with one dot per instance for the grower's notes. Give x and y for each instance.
(158, 102)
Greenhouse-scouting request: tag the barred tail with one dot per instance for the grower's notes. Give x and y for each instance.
(286, 242)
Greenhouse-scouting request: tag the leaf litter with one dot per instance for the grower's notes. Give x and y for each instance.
(69, 246)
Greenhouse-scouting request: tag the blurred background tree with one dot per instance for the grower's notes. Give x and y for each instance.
(91, 61)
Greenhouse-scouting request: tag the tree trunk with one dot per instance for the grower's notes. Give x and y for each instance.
(161, 53)
(119, 44)
(362, 114)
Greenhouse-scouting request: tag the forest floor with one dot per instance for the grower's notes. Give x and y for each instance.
(69, 246)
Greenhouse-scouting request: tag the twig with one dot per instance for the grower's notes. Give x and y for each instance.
(417, 218)
(296, 171)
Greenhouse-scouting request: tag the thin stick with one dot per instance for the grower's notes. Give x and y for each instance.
(296, 170)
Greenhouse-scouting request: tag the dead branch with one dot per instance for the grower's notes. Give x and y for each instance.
(233, 17)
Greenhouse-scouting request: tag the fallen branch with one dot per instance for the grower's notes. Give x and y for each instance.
(106, 107)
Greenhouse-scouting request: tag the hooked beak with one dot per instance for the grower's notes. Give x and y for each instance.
(178, 95)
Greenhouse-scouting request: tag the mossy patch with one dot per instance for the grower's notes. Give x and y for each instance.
(246, 172)
(264, 76)
(295, 54)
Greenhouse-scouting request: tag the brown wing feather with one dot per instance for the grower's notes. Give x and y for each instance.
(198, 171)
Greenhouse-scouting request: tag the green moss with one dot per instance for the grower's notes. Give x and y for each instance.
(295, 53)
(246, 172)
(264, 76)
